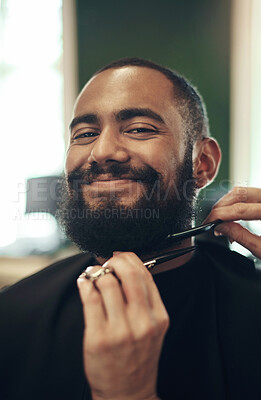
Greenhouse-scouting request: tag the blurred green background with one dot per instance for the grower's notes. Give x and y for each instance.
(190, 36)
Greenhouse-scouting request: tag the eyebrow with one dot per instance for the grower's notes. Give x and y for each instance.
(129, 113)
(85, 118)
(122, 115)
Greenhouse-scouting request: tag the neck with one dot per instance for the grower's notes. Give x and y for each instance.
(168, 265)
(176, 262)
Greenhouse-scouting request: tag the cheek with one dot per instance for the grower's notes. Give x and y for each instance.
(75, 158)
(169, 174)
(163, 161)
(149, 152)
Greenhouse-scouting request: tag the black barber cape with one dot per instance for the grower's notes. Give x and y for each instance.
(212, 350)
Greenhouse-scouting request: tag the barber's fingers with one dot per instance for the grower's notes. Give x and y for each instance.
(240, 203)
(241, 235)
(137, 281)
(110, 290)
(104, 300)
(240, 194)
(236, 212)
(131, 273)
(142, 296)
(93, 308)
(129, 299)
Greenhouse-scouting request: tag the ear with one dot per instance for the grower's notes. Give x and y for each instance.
(206, 161)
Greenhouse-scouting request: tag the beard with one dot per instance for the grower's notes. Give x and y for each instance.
(142, 227)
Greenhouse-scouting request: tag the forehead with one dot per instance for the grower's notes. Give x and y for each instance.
(126, 87)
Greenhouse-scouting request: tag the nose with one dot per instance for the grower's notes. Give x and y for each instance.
(108, 147)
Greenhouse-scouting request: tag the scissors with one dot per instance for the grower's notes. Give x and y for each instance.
(149, 264)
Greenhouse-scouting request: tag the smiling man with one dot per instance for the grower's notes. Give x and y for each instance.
(139, 152)
(130, 150)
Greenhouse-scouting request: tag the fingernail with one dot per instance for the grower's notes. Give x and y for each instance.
(116, 252)
(217, 234)
(89, 269)
(105, 264)
(80, 279)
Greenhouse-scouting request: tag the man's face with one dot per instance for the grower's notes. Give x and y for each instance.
(112, 134)
(127, 143)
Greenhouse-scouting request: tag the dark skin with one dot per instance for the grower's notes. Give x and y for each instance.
(102, 132)
(125, 323)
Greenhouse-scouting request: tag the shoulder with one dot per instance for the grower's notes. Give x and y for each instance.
(40, 316)
(231, 260)
(233, 275)
(45, 284)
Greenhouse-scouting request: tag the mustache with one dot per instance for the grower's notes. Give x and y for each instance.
(146, 174)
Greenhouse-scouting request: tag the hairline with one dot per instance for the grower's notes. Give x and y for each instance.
(141, 66)
(170, 75)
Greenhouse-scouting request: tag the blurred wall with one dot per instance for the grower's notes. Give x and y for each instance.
(190, 36)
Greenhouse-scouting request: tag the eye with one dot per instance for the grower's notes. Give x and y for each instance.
(142, 131)
(84, 137)
(86, 134)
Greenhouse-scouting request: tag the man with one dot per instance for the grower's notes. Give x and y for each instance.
(139, 152)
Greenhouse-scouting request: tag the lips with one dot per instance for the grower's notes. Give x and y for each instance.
(114, 174)
(109, 178)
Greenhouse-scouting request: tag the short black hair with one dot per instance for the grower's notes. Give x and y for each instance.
(188, 100)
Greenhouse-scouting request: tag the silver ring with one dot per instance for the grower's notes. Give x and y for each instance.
(96, 275)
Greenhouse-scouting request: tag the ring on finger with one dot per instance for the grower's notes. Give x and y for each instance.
(96, 275)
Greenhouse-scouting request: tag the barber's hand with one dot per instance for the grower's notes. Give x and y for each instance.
(125, 324)
(241, 203)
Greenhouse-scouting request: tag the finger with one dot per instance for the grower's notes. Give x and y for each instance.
(241, 235)
(145, 312)
(138, 284)
(93, 308)
(235, 212)
(131, 272)
(113, 298)
(240, 195)
(139, 312)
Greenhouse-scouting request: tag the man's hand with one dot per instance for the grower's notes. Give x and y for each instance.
(239, 204)
(125, 324)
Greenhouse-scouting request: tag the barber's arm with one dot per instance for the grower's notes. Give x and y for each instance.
(241, 203)
(125, 325)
